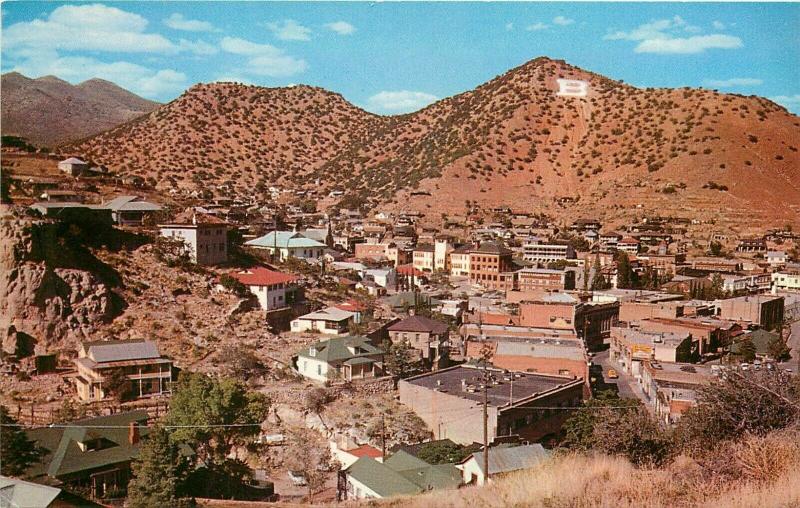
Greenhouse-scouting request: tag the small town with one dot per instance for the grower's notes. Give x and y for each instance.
(199, 342)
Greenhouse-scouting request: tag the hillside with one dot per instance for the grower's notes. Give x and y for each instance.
(512, 140)
(48, 111)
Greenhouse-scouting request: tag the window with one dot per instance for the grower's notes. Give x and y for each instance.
(319, 369)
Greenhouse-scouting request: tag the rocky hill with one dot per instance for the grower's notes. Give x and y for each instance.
(512, 141)
(48, 110)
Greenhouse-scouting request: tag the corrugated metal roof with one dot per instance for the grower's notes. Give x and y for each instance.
(21, 494)
(123, 350)
(506, 460)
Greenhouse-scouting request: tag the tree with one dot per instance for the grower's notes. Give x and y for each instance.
(739, 403)
(626, 278)
(117, 384)
(17, 452)
(239, 362)
(747, 350)
(442, 452)
(312, 458)
(202, 400)
(715, 249)
(158, 473)
(598, 281)
(173, 252)
(233, 285)
(401, 359)
(717, 284)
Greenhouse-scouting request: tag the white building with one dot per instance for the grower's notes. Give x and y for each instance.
(547, 252)
(274, 290)
(330, 321)
(286, 244)
(441, 254)
(785, 281)
(502, 461)
(340, 358)
(205, 235)
(73, 166)
(777, 258)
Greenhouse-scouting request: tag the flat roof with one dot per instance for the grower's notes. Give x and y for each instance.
(526, 384)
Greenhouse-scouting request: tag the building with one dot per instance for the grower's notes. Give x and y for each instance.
(491, 266)
(330, 321)
(321, 235)
(785, 281)
(737, 284)
(532, 279)
(424, 257)
(752, 245)
(130, 210)
(93, 454)
(273, 289)
(708, 333)
(346, 451)
(442, 247)
(671, 388)
(539, 252)
(285, 244)
(148, 373)
(535, 353)
(588, 320)
(73, 166)
(428, 336)
(712, 264)
(628, 245)
(777, 258)
(206, 236)
(340, 358)
(459, 260)
(16, 493)
(502, 460)
(630, 347)
(401, 474)
(450, 402)
(763, 310)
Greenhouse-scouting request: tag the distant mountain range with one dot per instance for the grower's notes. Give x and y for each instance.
(513, 141)
(48, 111)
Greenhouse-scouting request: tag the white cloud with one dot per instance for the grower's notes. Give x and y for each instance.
(177, 22)
(536, 27)
(198, 47)
(732, 82)
(689, 45)
(509, 27)
(264, 59)
(790, 101)
(562, 21)
(134, 77)
(663, 36)
(402, 101)
(718, 25)
(92, 27)
(289, 30)
(341, 27)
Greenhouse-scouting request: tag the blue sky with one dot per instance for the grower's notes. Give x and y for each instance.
(397, 57)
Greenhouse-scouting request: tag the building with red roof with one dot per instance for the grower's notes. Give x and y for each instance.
(274, 290)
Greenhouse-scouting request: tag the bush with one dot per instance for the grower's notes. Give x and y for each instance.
(234, 286)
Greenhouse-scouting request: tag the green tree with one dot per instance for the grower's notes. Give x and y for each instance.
(233, 285)
(117, 384)
(401, 359)
(778, 349)
(717, 285)
(747, 350)
(158, 473)
(17, 452)
(218, 404)
(443, 453)
(715, 249)
(598, 281)
(626, 278)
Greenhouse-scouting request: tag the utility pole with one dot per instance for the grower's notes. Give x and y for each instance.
(383, 435)
(485, 423)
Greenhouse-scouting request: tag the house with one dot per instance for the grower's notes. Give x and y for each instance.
(148, 373)
(746, 283)
(777, 258)
(62, 196)
(384, 277)
(761, 339)
(92, 454)
(73, 166)
(450, 400)
(16, 493)
(502, 460)
(429, 337)
(400, 474)
(130, 210)
(274, 290)
(340, 358)
(345, 450)
(321, 235)
(286, 244)
(330, 321)
(628, 245)
(205, 235)
(752, 245)
(491, 266)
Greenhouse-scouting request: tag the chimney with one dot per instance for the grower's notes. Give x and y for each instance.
(133, 433)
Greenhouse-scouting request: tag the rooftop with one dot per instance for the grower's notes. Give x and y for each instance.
(419, 324)
(121, 350)
(466, 382)
(261, 276)
(514, 458)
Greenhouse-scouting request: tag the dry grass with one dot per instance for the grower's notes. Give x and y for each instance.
(766, 470)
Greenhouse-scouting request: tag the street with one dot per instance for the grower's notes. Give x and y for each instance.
(627, 387)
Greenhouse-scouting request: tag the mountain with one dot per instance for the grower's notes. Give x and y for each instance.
(512, 141)
(48, 110)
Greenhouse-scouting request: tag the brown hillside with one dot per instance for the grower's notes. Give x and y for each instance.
(47, 110)
(511, 141)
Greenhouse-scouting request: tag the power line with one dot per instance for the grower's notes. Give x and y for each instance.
(71, 426)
